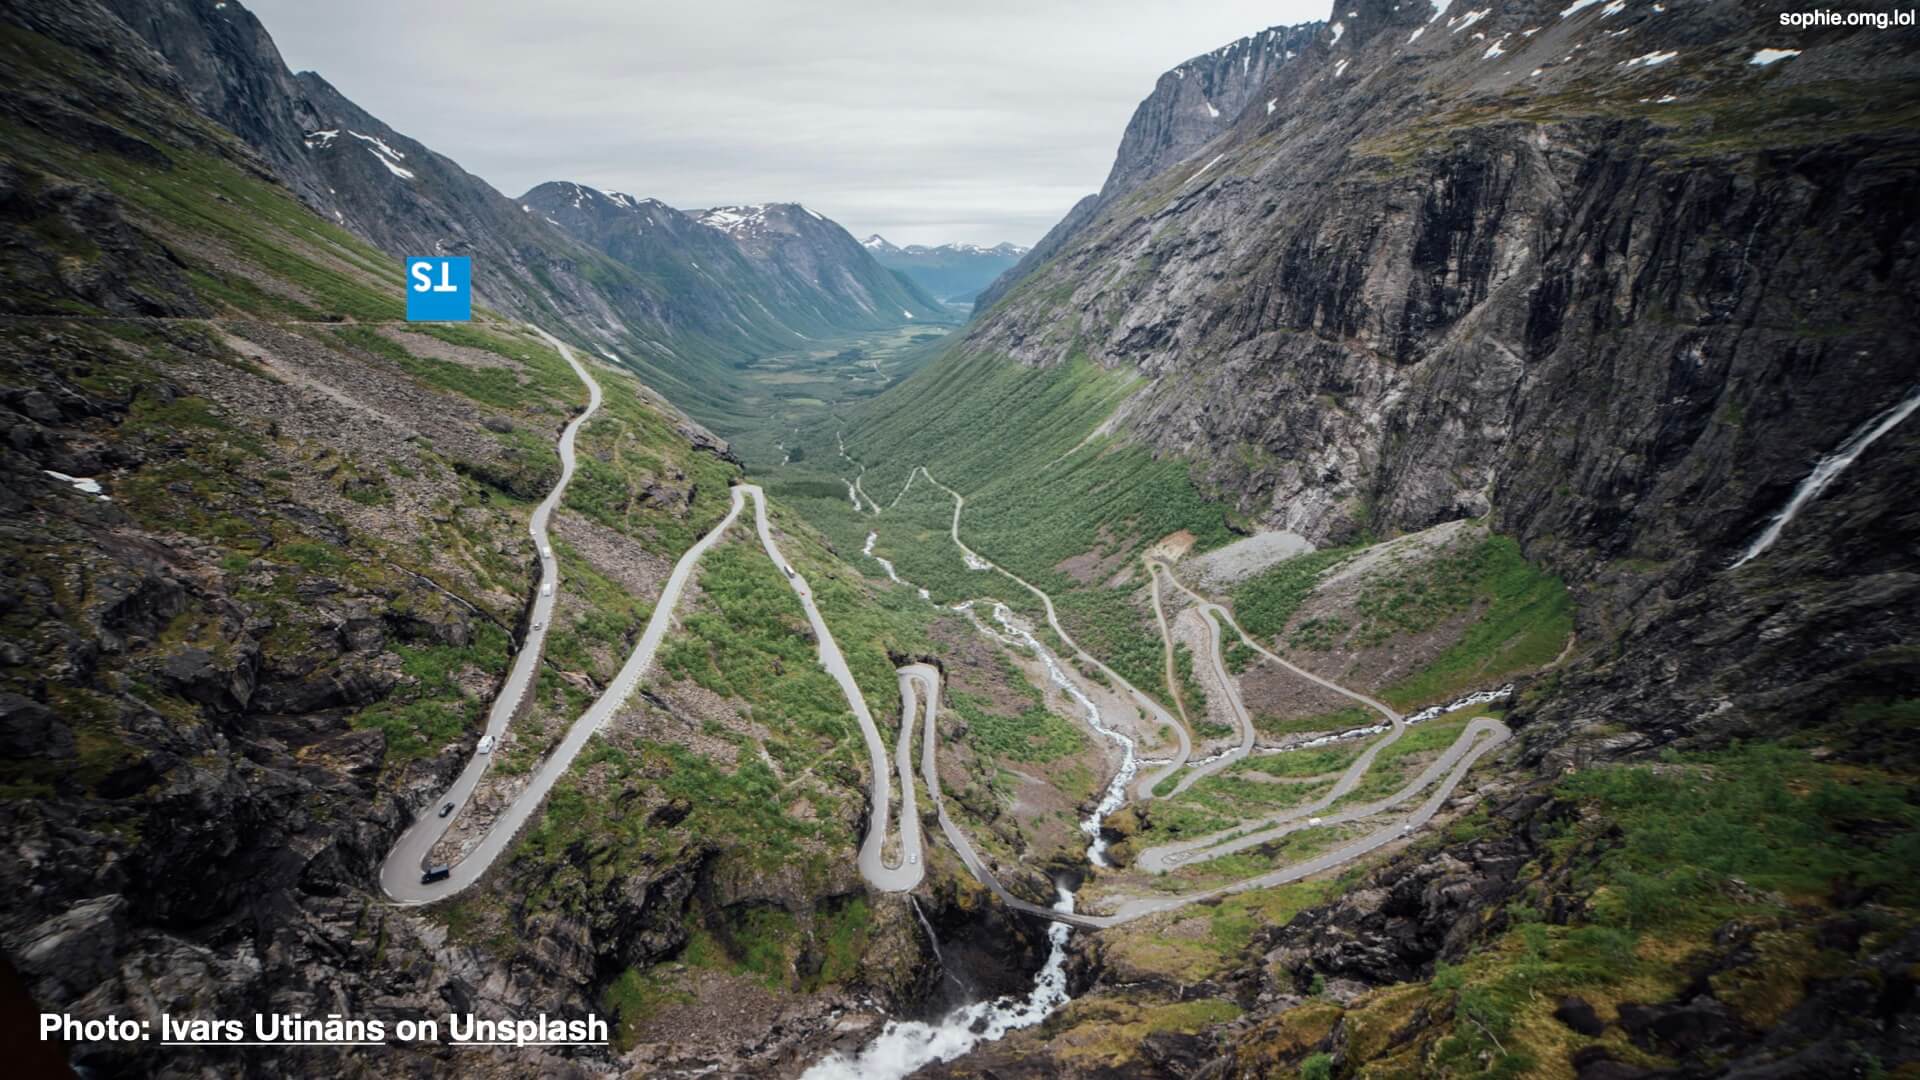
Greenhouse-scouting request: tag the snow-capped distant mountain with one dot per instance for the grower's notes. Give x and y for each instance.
(953, 272)
(777, 268)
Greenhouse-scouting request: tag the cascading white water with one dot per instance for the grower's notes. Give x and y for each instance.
(887, 565)
(1478, 697)
(905, 1047)
(1129, 759)
(933, 939)
(1828, 469)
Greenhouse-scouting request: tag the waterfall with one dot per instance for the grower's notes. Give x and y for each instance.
(932, 939)
(903, 1048)
(1129, 760)
(1830, 467)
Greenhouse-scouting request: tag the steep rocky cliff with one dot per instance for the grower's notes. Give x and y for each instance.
(1600, 274)
(1613, 277)
(1189, 107)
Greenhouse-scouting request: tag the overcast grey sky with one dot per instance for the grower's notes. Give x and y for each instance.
(974, 120)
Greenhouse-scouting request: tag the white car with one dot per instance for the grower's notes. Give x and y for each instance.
(913, 857)
(1313, 821)
(547, 589)
(546, 551)
(486, 744)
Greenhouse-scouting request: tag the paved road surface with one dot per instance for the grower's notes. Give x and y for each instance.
(1215, 610)
(1183, 749)
(1460, 757)
(908, 872)
(400, 876)
(920, 691)
(406, 860)
(1230, 687)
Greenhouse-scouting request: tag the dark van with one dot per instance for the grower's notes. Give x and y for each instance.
(435, 873)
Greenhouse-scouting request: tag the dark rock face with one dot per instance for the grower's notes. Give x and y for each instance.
(1200, 100)
(1497, 262)
(1468, 268)
(1579, 1015)
(128, 275)
(1411, 913)
(1189, 107)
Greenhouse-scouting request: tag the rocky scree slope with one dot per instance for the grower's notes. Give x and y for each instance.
(265, 558)
(1614, 277)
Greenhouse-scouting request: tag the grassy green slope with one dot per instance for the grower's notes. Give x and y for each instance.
(217, 454)
(1041, 486)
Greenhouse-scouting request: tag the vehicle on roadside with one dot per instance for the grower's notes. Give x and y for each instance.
(546, 551)
(913, 857)
(447, 809)
(486, 744)
(1313, 821)
(435, 873)
(789, 571)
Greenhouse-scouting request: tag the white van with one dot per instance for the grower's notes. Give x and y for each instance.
(486, 744)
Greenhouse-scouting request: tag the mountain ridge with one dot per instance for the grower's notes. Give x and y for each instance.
(955, 272)
(1608, 278)
(407, 199)
(1190, 104)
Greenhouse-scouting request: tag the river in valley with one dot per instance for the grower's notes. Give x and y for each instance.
(905, 1046)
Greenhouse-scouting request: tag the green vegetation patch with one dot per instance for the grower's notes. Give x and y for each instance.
(1035, 735)
(1266, 602)
(430, 710)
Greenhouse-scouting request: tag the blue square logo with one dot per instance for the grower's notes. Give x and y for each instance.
(439, 290)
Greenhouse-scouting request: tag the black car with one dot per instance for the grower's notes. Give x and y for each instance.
(447, 809)
(435, 873)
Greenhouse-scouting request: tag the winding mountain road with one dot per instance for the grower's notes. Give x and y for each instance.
(1242, 718)
(1183, 748)
(920, 692)
(400, 875)
(873, 867)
